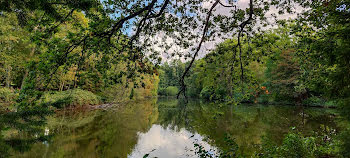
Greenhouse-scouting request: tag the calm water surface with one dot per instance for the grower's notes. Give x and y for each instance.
(170, 128)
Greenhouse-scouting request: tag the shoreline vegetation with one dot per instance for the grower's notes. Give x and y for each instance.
(80, 54)
(81, 99)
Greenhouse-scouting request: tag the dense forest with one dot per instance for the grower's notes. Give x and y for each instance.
(275, 72)
(70, 55)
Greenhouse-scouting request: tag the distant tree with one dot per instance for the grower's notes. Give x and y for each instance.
(285, 77)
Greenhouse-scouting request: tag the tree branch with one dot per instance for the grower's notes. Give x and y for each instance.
(227, 6)
(206, 27)
(148, 16)
(120, 23)
(61, 21)
(242, 25)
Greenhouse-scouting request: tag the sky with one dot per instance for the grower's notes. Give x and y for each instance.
(207, 46)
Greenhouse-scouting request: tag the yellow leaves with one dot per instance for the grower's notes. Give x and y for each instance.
(12, 38)
(332, 68)
(69, 75)
(80, 17)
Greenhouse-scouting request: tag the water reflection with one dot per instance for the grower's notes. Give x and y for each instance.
(170, 128)
(166, 142)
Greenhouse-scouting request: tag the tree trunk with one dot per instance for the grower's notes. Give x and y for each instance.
(61, 86)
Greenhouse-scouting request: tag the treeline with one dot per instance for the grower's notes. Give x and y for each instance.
(272, 68)
(110, 77)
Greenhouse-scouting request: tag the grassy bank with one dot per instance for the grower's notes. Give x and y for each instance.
(71, 98)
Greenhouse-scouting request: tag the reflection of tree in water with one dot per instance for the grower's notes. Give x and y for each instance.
(281, 118)
(114, 132)
(173, 114)
(245, 124)
(109, 133)
(20, 129)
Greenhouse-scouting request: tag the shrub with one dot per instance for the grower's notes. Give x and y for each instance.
(169, 91)
(296, 145)
(314, 101)
(264, 99)
(7, 95)
(161, 91)
(214, 93)
(116, 93)
(71, 98)
(207, 93)
(345, 143)
(330, 103)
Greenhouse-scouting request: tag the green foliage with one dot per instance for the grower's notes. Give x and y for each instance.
(168, 91)
(4, 146)
(118, 93)
(232, 151)
(285, 77)
(115, 93)
(170, 73)
(345, 142)
(315, 101)
(296, 145)
(264, 99)
(207, 93)
(8, 95)
(48, 46)
(76, 97)
(15, 50)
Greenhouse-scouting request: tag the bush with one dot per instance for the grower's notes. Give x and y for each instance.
(345, 143)
(116, 93)
(214, 93)
(169, 91)
(296, 145)
(7, 95)
(71, 98)
(264, 99)
(314, 101)
(207, 93)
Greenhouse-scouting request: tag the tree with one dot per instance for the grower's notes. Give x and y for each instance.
(285, 77)
(15, 50)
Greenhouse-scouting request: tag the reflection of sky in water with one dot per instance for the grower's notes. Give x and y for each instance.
(165, 142)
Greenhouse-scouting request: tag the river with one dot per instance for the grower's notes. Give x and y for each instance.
(172, 128)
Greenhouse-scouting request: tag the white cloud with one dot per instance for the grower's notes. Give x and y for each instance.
(160, 142)
(165, 53)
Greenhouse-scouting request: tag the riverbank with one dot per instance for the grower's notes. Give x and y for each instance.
(78, 99)
(75, 99)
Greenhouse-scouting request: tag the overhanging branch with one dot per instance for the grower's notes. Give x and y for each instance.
(206, 27)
